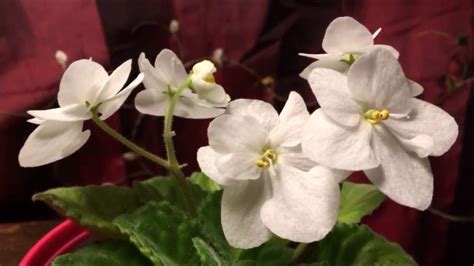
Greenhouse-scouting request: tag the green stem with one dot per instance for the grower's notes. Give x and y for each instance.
(168, 135)
(134, 147)
(298, 251)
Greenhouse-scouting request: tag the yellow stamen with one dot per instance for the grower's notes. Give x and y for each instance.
(268, 158)
(375, 116)
(210, 78)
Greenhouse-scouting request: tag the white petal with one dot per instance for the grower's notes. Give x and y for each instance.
(81, 82)
(170, 67)
(376, 33)
(76, 112)
(115, 82)
(231, 133)
(211, 92)
(335, 174)
(317, 56)
(152, 79)
(151, 102)
(51, 141)
(427, 119)
(330, 89)
(402, 176)
(292, 119)
(239, 165)
(294, 156)
(331, 63)
(111, 105)
(337, 146)
(346, 35)
(203, 69)
(262, 111)
(190, 106)
(304, 206)
(389, 48)
(207, 159)
(35, 121)
(377, 80)
(415, 88)
(240, 213)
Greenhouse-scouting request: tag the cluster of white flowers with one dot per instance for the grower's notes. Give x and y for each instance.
(280, 172)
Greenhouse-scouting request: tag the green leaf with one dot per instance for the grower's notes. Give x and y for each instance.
(352, 244)
(162, 233)
(271, 253)
(209, 212)
(207, 254)
(92, 206)
(204, 182)
(165, 188)
(109, 252)
(358, 200)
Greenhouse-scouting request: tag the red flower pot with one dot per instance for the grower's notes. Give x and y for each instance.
(63, 238)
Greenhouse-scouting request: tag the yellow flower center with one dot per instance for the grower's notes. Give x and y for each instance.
(375, 116)
(268, 158)
(349, 58)
(210, 78)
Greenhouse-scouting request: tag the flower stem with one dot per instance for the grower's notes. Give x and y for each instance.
(168, 134)
(298, 251)
(134, 147)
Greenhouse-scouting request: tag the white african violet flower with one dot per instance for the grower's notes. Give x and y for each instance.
(204, 84)
(345, 41)
(256, 156)
(369, 121)
(168, 74)
(85, 84)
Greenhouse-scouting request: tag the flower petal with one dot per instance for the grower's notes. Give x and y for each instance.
(427, 119)
(76, 112)
(190, 106)
(402, 176)
(292, 119)
(239, 165)
(151, 102)
(203, 69)
(377, 80)
(331, 63)
(335, 174)
(240, 213)
(152, 79)
(336, 146)
(415, 88)
(330, 89)
(51, 141)
(346, 35)
(207, 159)
(115, 82)
(171, 69)
(231, 133)
(211, 92)
(294, 156)
(304, 206)
(389, 48)
(111, 105)
(262, 111)
(81, 82)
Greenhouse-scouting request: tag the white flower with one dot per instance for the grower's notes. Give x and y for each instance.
(168, 74)
(370, 121)
(204, 84)
(256, 156)
(85, 84)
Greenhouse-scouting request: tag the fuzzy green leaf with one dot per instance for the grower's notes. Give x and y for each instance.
(165, 188)
(358, 200)
(271, 253)
(162, 233)
(109, 252)
(204, 182)
(92, 206)
(206, 253)
(352, 244)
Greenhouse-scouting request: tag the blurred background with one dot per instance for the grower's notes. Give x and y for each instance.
(255, 44)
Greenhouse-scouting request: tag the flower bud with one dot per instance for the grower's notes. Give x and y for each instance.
(218, 55)
(61, 58)
(174, 26)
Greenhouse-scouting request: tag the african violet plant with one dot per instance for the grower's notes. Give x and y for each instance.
(271, 190)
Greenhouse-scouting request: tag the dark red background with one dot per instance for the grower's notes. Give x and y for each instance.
(262, 34)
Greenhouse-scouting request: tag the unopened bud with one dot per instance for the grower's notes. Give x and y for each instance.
(130, 156)
(267, 81)
(218, 55)
(174, 26)
(61, 58)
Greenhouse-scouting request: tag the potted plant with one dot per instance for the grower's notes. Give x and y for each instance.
(271, 189)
